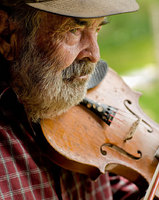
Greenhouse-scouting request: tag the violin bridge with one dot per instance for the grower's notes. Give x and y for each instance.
(132, 130)
(134, 126)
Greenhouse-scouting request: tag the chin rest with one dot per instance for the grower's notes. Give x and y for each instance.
(98, 75)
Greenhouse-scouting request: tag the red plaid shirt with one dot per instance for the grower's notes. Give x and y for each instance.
(26, 174)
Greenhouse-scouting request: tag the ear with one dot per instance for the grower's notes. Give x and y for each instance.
(8, 43)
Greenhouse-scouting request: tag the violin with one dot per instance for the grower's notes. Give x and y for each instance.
(107, 132)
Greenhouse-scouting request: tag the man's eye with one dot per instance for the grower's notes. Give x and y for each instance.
(75, 31)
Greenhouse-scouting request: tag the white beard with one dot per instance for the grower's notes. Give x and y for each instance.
(43, 90)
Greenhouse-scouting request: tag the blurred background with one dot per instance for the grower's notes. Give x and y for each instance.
(130, 45)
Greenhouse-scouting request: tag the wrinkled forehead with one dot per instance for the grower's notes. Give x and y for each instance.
(57, 22)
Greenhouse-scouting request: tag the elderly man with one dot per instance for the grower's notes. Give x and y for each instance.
(48, 51)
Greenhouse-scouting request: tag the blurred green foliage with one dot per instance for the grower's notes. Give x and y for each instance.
(127, 43)
(149, 101)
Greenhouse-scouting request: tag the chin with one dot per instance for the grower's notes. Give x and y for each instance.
(62, 106)
(57, 105)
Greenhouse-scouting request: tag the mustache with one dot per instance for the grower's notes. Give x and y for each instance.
(77, 69)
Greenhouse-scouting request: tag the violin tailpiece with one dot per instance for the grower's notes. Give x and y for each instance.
(103, 111)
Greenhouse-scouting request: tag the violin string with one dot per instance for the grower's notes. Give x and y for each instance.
(123, 111)
(119, 124)
(126, 114)
(120, 121)
(133, 118)
(116, 118)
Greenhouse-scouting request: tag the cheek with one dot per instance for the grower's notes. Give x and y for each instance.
(63, 51)
(67, 54)
(46, 43)
(69, 48)
(72, 39)
(43, 46)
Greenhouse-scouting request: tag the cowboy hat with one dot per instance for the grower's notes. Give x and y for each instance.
(81, 8)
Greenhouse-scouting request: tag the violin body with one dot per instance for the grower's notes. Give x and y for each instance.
(84, 143)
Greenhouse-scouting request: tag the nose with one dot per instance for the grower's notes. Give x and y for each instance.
(90, 49)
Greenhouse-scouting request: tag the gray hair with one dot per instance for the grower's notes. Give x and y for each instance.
(27, 20)
(26, 17)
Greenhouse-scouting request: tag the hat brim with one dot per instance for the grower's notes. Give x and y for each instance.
(86, 8)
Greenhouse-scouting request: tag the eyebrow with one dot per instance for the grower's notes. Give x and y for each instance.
(104, 22)
(81, 22)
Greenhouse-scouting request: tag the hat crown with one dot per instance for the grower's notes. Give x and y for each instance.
(79, 8)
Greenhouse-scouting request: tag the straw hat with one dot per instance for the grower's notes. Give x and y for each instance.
(81, 8)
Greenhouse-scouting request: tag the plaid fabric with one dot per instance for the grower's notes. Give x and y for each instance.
(26, 174)
(122, 188)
